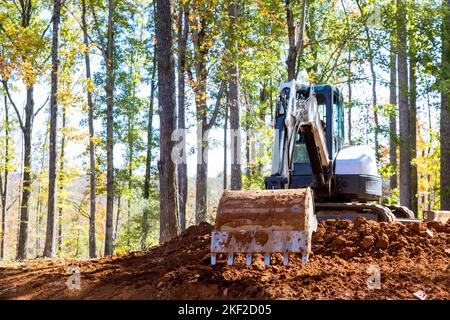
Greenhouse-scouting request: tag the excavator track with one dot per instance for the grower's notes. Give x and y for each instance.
(350, 210)
(401, 212)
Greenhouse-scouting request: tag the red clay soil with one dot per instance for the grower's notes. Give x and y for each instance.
(411, 257)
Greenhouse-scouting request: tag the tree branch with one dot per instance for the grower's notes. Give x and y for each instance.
(79, 22)
(43, 105)
(100, 36)
(11, 204)
(5, 86)
(213, 119)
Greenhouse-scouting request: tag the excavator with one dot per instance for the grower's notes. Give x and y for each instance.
(314, 176)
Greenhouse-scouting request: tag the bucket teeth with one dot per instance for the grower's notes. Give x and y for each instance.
(230, 259)
(267, 259)
(248, 260)
(213, 259)
(286, 259)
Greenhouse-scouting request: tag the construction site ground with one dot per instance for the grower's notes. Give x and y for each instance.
(413, 261)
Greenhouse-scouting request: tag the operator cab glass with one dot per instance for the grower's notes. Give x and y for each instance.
(338, 121)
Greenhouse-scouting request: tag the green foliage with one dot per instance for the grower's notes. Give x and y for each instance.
(130, 233)
(391, 196)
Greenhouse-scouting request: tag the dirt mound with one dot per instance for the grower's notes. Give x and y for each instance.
(377, 239)
(409, 258)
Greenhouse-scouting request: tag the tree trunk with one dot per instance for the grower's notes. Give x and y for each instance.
(26, 183)
(61, 182)
(225, 164)
(405, 147)
(27, 128)
(374, 81)
(130, 141)
(292, 52)
(167, 103)
(295, 45)
(119, 209)
(4, 182)
(92, 183)
(201, 190)
(201, 183)
(148, 160)
(109, 89)
(349, 107)
(233, 99)
(49, 248)
(445, 109)
(38, 219)
(248, 149)
(412, 130)
(392, 116)
(201, 112)
(201, 50)
(183, 29)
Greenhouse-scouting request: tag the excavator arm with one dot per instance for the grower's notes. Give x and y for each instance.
(316, 146)
(292, 116)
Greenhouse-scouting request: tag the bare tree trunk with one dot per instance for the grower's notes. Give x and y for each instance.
(233, 99)
(349, 83)
(430, 193)
(166, 100)
(203, 127)
(77, 252)
(392, 117)
(4, 182)
(445, 109)
(27, 127)
(130, 141)
(183, 29)
(225, 164)
(148, 160)
(119, 209)
(92, 183)
(26, 183)
(374, 81)
(49, 248)
(248, 151)
(412, 130)
(200, 53)
(292, 53)
(109, 89)
(61, 182)
(201, 189)
(201, 49)
(248, 146)
(405, 147)
(39, 200)
(295, 44)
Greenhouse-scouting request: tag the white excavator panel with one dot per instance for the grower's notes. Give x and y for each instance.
(358, 160)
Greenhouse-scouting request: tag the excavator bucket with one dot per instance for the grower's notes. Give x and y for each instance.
(266, 222)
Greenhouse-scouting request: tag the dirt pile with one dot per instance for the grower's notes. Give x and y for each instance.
(377, 239)
(409, 258)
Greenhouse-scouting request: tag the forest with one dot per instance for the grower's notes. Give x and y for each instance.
(97, 96)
